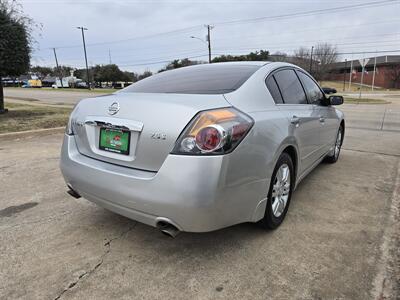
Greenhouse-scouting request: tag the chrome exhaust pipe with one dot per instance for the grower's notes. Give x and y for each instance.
(168, 229)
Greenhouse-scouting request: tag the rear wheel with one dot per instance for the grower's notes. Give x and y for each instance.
(280, 192)
(334, 156)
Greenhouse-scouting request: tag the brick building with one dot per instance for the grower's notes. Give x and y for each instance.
(387, 71)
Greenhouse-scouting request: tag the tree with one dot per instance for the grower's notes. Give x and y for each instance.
(42, 71)
(302, 58)
(324, 55)
(64, 70)
(81, 74)
(131, 76)
(179, 63)
(261, 55)
(108, 73)
(278, 56)
(145, 74)
(394, 75)
(15, 41)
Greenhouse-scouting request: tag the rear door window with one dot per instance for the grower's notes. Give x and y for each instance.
(290, 87)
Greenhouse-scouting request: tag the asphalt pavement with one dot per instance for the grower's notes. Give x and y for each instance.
(340, 239)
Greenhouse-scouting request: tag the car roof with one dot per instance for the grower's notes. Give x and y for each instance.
(243, 63)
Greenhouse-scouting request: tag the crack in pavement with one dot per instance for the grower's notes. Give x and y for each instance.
(383, 119)
(98, 265)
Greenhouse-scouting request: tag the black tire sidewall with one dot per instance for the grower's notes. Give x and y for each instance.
(333, 158)
(270, 220)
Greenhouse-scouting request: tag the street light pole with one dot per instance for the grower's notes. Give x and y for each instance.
(344, 75)
(84, 49)
(207, 41)
(312, 50)
(58, 68)
(209, 27)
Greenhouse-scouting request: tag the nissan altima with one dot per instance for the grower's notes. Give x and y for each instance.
(202, 147)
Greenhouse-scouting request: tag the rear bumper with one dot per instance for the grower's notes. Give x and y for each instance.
(196, 194)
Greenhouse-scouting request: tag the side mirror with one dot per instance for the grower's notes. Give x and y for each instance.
(336, 100)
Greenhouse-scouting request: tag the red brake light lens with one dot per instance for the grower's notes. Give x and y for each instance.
(216, 131)
(209, 138)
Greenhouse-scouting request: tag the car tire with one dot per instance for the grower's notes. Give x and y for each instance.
(333, 157)
(279, 193)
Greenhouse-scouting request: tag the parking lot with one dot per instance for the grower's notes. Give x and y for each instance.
(338, 241)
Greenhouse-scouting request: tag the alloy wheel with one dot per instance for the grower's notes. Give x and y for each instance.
(338, 143)
(280, 190)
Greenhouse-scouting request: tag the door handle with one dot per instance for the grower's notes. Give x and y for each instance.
(322, 119)
(295, 121)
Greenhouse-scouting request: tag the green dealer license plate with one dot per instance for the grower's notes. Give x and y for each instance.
(114, 140)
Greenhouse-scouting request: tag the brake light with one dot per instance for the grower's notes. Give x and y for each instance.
(213, 132)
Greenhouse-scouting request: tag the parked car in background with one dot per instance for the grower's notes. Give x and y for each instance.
(81, 85)
(33, 83)
(202, 147)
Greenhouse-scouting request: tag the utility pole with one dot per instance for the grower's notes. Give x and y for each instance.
(58, 69)
(362, 79)
(344, 75)
(2, 109)
(351, 73)
(373, 77)
(209, 27)
(312, 50)
(84, 49)
(109, 55)
(363, 63)
(207, 41)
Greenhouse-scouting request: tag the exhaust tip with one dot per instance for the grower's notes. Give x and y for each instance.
(73, 193)
(168, 229)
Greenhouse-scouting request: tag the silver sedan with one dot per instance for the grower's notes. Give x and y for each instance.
(202, 147)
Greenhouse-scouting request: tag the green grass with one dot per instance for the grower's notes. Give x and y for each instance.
(364, 101)
(22, 117)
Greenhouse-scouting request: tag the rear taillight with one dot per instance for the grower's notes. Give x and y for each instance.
(212, 132)
(68, 128)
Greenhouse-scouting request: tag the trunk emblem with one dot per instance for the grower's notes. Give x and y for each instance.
(113, 108)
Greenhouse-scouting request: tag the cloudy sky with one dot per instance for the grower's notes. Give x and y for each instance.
(140, 35)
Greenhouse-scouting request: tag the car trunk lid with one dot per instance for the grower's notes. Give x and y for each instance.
(153, 121)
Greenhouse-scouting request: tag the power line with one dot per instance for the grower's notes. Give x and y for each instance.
(219, 51)
(257, 35)
(265, 18)
(259, 19)
(205, 55)
(160, 62)
(279, 46)
(310, 12)
(182, 30)
(314, 29)
(230, 52)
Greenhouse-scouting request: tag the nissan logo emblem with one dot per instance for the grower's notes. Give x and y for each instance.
(113, 108)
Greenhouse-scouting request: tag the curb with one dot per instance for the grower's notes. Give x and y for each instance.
(23, 134)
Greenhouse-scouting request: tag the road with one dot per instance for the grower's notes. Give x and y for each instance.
(339, 240)
(48, 96)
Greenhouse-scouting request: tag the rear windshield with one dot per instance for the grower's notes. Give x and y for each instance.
(200, 79)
